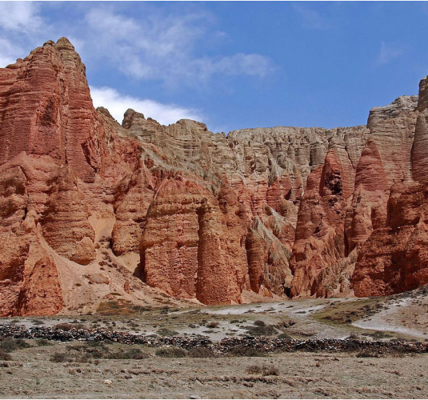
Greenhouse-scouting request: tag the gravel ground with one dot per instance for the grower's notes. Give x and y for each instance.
(31, 374)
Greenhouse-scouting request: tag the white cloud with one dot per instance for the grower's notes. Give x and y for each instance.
(176, 48)
(163, 47)
(387, 53)
(19, 16)
(311, 18)
(118, 103)
(244, 64)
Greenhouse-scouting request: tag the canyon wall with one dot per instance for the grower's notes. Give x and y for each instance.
(93, 210)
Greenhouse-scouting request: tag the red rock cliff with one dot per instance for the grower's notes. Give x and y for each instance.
(90, 207)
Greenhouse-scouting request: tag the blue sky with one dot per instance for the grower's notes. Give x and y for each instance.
(234, 65)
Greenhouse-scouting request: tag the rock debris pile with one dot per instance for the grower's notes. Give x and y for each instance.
(225, 346)
(265, 345)
(100, 335)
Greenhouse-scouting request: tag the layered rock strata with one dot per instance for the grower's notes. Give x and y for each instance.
(93, 211)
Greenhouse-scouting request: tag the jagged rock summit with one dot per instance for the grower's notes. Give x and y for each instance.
(93, 212)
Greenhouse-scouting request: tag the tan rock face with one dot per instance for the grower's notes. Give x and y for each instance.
(67, 212)
(29, 281)
(320, 240)
(134, 196)
(89, 207)
(368, 206)
(194, 245)
(46, 108)
(384, 213)
(394, 259)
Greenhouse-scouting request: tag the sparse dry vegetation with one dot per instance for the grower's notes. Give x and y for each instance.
(9, 345)
(44, 342)
(90, 353)
(65, 326)
(261, 330)
(201, 352)
(166, 332)
(170, 352)
(285, 324)
(4, 356)
(245, 352)
(59, 357)
(265, 370)
(346, 313)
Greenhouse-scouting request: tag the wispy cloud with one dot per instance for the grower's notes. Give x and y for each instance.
(164, 47)
(311, 18)
(18, 23)
(118, 103)
(388, 53)
(19, 16)
(238, 64)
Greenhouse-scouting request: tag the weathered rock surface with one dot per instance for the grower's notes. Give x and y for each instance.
(394, 259)
(46, 107)
(391, 241)
(67, 212)
(90, 208)
(28, 277)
